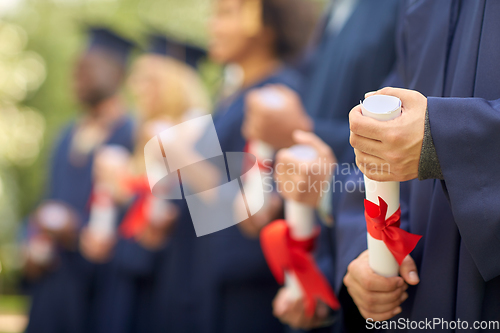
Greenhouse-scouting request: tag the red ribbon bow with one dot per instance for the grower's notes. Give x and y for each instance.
(398, 241)
(286, 254)
(136, 219)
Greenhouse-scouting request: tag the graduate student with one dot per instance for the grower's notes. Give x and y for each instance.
(220, 282)
(446, 137)
(167, 92)
(60, 297)
(356, 39)
(243, 285)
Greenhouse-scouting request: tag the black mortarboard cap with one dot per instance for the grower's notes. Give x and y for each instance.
(107, 40)
(186, 53)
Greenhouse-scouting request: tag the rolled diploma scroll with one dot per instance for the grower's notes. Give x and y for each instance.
(103, 215)
(272, 99)
(263, 151)
(381, 260)
(54, 216)
(300, 219)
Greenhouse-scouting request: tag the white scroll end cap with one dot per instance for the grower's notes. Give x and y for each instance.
(114, 155)
(54, 216)
(381, 107)
(272, 98)
(303, 152)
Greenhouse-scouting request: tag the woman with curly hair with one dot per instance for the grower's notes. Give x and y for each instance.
(221, 282)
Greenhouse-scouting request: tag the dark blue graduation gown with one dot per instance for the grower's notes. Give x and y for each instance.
(449, 51)
(345, 66)
(242, 280)
(219, 282)
(175, 300)
(341, 70)
(61, 299)
(122, 288)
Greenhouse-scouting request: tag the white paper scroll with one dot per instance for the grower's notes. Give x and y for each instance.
(381, 260)
(54, 216)
(273, 100)
(300, 218)
(103, 211)
(263, 151)
(103, 215)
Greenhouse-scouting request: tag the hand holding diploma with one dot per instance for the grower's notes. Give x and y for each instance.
(274, 123)
(110, 165)
(292, 312)
(273, 100)
(379, 297)
(319, 171)
(98, 238)
(372, 279)
(286, 243)
(388, 245)
(59, 221)
(390, 150)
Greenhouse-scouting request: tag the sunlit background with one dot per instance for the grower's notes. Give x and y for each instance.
(39, 40)
(38, 43)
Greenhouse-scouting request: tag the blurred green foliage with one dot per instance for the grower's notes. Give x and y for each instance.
(54, 30)
(13, 304)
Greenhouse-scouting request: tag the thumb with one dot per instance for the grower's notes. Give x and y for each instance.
(281, 303)
(408, 271)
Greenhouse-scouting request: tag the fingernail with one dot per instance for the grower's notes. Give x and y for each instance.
(400, 283)
(369, 93)
(413, 276)
(404, 297)
(397, 311)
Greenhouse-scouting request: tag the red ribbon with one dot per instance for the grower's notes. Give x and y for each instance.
(136, 219)
(286, 254)
(398, 241)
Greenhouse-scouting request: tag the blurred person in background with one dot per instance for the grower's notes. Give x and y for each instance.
(448, 65)
(61, 285)
(356, 39)
(167, 92)
(220, 282)
(261, 38)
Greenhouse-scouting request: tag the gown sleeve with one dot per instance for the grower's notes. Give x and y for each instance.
(466, 134)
